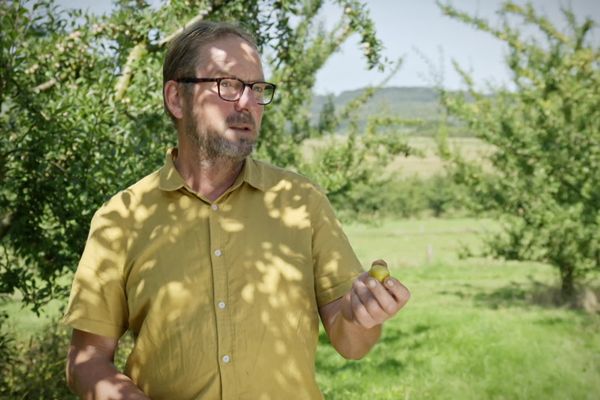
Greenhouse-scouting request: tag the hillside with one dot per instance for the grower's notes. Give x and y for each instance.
(407, 102)
(410, 103)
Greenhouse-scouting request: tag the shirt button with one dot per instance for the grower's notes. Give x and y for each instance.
(214, 207)
(226, 359)
(218, 253)
(221, 305)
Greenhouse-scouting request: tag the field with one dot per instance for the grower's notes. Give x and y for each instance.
(428, 162)
(473, 329)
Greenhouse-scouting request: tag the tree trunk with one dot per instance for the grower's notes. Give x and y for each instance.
(567, 289)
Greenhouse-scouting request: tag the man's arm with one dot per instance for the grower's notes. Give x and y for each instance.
(353, 322)
(91, 373)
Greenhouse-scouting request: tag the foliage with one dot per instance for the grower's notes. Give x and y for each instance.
(351, 169)
(544, 178)
(407, 197)
(344, 168)
(81, 111)
(34, 369)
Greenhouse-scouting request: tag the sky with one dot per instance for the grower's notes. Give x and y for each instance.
(426, 40)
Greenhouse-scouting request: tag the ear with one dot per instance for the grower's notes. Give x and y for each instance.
(173, 99)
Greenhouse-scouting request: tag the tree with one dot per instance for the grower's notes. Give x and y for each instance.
(81, 112)
(352, 168)
(543, 178)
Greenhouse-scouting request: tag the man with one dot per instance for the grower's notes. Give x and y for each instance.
(217, 263)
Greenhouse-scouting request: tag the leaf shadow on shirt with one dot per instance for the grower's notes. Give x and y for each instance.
(220, 300)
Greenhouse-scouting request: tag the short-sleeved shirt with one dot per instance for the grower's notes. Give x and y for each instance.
(222, 298)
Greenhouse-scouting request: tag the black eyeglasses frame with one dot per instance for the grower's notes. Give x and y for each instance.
(218, 81)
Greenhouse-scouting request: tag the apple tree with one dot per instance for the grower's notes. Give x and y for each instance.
(543, 177)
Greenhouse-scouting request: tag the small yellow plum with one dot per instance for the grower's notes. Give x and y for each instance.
(379, 270)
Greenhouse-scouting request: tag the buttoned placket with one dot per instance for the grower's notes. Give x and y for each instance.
(218, 241)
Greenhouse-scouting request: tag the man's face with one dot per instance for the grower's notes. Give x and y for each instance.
(219, 128)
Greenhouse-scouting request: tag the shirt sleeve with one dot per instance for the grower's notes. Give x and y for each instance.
(336, 265)
(98, 302)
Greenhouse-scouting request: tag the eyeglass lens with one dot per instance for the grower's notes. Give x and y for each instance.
(232, 89)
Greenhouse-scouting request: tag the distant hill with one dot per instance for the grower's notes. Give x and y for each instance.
(405, 102)
(408, 102)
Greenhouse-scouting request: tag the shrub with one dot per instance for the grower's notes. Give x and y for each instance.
(34, 369)
(403, 197)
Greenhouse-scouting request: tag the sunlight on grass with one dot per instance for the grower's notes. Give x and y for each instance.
(405, 243)
(473, 329)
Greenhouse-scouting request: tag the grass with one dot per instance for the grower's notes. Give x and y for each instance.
(429, 163)
(416, 242)
(473, 329)
(476, 329)
(26, 322)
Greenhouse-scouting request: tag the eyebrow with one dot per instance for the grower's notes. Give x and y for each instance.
(222, 74)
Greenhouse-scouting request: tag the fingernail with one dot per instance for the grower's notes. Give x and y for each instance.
(372, 283)
(389, 282)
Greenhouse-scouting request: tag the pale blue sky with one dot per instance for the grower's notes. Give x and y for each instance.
(417, 31)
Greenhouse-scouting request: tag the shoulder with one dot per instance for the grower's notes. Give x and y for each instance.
(273, 178)
(131, 199)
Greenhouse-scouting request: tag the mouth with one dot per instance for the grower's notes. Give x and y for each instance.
(245, 128)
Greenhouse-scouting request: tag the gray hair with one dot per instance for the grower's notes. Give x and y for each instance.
(184, 51)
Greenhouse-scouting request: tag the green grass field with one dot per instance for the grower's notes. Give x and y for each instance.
(429, 163)
(426, 162)
(473, 329)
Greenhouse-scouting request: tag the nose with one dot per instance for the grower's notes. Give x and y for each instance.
(247, 99)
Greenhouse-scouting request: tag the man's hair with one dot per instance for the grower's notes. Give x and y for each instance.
(184, 52)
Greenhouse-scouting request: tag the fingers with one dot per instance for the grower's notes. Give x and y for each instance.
(362, 308)
(372, 303)
(400, 292)
(385, 301)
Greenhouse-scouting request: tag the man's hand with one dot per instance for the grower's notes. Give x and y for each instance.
(370, 303)
(353, 322)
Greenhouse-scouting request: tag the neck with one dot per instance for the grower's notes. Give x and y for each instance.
(209, 178)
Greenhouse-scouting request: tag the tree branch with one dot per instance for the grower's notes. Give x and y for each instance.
(139, 50)
(45, 86)
(134, 55)
(197, 18)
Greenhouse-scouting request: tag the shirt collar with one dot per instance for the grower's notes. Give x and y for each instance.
(253, 174)
(170, 179)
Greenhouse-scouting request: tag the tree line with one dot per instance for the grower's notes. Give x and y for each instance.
(81, 117)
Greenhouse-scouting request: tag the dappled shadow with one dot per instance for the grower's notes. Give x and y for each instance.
(393, 336)
(413, 339)
(385, 358)
(457, 293)
(521, 294)
(214, 295)
(539, 294)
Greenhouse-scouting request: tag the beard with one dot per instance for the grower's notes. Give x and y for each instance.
(212, 145)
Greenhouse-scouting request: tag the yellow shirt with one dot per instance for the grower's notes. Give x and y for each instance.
(222, 298)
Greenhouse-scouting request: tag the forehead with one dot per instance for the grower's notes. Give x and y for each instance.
(231, 55)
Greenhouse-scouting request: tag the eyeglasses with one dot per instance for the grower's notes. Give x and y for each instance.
(232, 89)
